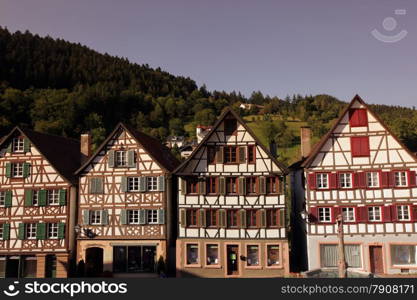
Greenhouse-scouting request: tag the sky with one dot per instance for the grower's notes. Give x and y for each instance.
(279, 47)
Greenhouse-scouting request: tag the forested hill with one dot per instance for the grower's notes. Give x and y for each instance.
(64, 88)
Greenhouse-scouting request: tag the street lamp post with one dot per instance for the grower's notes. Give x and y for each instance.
(341, 246)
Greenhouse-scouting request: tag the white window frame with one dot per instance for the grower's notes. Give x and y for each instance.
(17, 170)
(345, 180)
(30, 231)
(95, 217)
(35, 197)
(152, 183)
(120, 158)
(322, 180)
(371, 181)
(52, 230)
(1, 231)
(133, 216)
(152, 216)
(372, 211)
(324, 214)
(53, 197)
(403, 213)
(401, 179)
(2, 198)
(350, 215)
(18, 145)
(133, 184)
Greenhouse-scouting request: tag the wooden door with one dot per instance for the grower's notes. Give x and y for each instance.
(232, 260)
(376, 260)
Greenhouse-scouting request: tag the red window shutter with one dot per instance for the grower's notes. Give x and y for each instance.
(313, 217)
(312, 181)
(333, 180)
(386, 213)
(362, 214)
(360, 146)
(391, 179)
(353, 118)
(365, 149)
(362, 117)
(359, 180)
(412, 178)
(414, 212)
(355, 146)
(335, 212)
(385, 179)
(358, 117)
(356, 180)
(394, 213)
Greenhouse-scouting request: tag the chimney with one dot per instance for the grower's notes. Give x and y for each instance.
(85, 146)
(305, 141)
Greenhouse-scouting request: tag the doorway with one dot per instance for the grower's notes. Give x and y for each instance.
(50, 266)
(232, 260)
(12, 267)
(94, 262)
(376, 259)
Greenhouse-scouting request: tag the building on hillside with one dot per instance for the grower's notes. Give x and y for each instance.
(201, 132)
(231, 204)
(37, 204)
(125, 206)
(361, 171)
(175, 141)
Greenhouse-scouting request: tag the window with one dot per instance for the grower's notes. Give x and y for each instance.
(192, 217)
(95, 217)
(272, 185)
(133, 184)
(325, 214)
(29, 266)
(192, 254)
(133, 216)
(403, 212)
(192, 185)
(230, 126)
(272, 255)
(231, 185)
(360, 146)
(1, 232)
(401, 178)
(18, 145)
(212, 252)
(133, 259)
(272, 217)
(212, 185)
(211, 155)
(53, 197)
(251, 154)
(251, 218)
(374, 214)
(329, 255)
(230, 155)
(211, 218)
(232, 217)
(372, 179)
(251, 185)
(35, 197)
(17, 170)
(152, 216)
(152, 183)
(358, 118)
(2, 198)
(322, 180)
(403, 255)
(348, 214)
(31, 231)
(52, 230)
(345, 180)
(121, 158)
(252, 259)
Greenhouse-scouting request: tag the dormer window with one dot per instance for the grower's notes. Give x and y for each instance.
(121, 158)
(18, 144)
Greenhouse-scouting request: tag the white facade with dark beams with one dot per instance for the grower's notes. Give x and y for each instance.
(231, 206)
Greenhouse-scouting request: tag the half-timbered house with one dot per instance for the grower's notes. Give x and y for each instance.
(363, 173)
(231, 202)
(125, 195)
(37, 204)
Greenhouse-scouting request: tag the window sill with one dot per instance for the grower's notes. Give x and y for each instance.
(213, 266)
(192, 266)
(253, 267)
(279, 266)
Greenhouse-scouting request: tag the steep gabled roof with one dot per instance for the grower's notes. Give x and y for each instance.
(214, 128)
(62, 153)
(307, 161)
(161, 154)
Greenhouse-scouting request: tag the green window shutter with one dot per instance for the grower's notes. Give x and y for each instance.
(28, 198)
(202, 218)
(123, 184)
(26, 145)
(183, 217)
(26, 170)
(104, 217)
(142, 184)
(40, 231)
(8, 199)
(61, 231)
(110, 161)
(123, 217)
(6, 231)
(21, 234)
(202, 186)
(262, 214)
(222, 186)
(42, 197)
(262, 185)
(282, 222)
(242, 155)
(161, 216)
(243, 218)
(142, 216)
(183, 186)
(161, 183)
(131, 158)
(100, 185)
(62, 197)
(219, 155)
(242, 186)
(10, 148)
(8, 170)
(86, 217)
